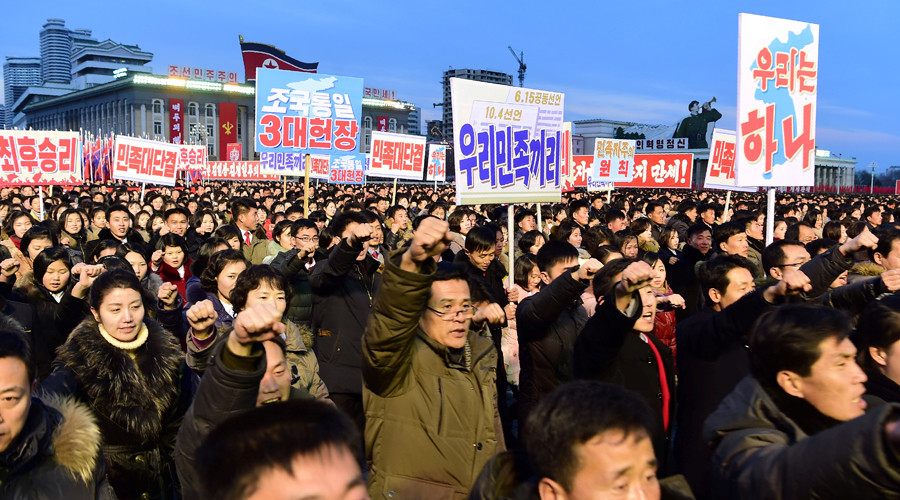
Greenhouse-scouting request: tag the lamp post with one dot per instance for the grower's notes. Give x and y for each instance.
(872, 179)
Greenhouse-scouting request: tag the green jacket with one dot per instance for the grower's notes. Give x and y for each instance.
(258, 249)
(431, 424)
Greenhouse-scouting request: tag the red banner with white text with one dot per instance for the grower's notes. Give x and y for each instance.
(176, 121)
(667, 171)
(227, 127)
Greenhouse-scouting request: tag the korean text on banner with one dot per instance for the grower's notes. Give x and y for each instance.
(292, 165)
(347, 169)
(37, 157)
(578, 173)
(236, 171)
(437, 163)
(397, 156)
(613, 159)
(720, 169)
(668, 171)
(191, 157)
(176, 121)
(507, 143)
(307, 113)
(778, 64)
(143, 160)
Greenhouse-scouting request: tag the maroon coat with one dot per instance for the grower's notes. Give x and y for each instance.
(170, 275)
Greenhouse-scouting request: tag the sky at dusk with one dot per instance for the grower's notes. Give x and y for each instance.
(629, 61)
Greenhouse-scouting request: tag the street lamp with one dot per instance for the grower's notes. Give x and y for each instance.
(872, 179)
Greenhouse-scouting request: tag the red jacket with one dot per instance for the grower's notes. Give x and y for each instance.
(170, 275)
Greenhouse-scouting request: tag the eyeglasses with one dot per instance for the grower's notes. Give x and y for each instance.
(467, 312)
(306, 239)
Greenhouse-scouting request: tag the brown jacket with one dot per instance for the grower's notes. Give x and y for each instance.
(431, 423)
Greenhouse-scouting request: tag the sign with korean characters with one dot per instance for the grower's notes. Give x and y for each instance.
(307, 113)
(292, 165)
(143, 160)
(778, 64)
(507, 143)
(612, 160)
(720, 168)
(437, 163)
(37, 157)
(397, 156)
(577, 174)
(665, 171)
(347, 169)
(191, 157)
(236, 171)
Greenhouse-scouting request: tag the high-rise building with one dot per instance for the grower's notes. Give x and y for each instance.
(415, 121)
(56, 52)
(479, 75)
(19, 73)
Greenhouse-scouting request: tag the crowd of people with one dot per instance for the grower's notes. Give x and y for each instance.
(234, 340)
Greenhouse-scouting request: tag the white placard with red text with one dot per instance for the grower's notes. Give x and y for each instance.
(778, 64)
(397, 156)
(36, 157)
(720, 171)
(143, 160)
(437, 163)
(191, 157)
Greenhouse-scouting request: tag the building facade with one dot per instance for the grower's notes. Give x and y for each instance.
(56, 52)
(478, 75)
(19, 73)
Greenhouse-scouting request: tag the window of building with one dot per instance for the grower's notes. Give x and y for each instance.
(368, 139)
(392, 125)
(157, 129)
(157, 106)
(210, 111)
(367, 124)
(193, 111)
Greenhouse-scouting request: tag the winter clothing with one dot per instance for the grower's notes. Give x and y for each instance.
(441, 403)
(760, 452)
(169, 274)
(299, 310)
(56, 455)
(137, 399)
(258, 248)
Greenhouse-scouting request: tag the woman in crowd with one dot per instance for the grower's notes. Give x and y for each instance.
(530, 243)
(16, 225)
(171, 262)
(877, 338)
(570, 232)
(460, 224)
(282, 240)
(526, 282)
(668, 246)
(666, 302)
(641, 228)
(73, 234)
(127, 368)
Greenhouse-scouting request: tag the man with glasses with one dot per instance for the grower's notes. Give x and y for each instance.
(296, 265)
(429, 379)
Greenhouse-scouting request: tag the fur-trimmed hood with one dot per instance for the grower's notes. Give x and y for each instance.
(868, 269)
(76, 442)
(134, 393)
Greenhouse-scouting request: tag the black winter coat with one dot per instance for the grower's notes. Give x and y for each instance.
(683, 279)
(299, 310)
(56, 455)
(712, 359)
(343, 293)
(138, 403)
(548, 323)
(761, 454)
(609, 350)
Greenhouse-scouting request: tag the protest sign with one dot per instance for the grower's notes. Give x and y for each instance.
(777, 86)
(612, 161)
(437, 163)
(347, 169)
(307, 113)
(667, 171)
(577, 174)
(191, 157)
(143, 160)
(720, 168)
(236, 171)
(645, 145)
(293, 165)
(507, 143)
(37, 157)
(397, 156)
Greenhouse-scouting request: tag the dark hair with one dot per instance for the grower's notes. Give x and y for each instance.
(216, 264)
(555, 252)
(665, 234)
(605, 279)
(565, 230)
(878, 326)
(14, 344)
(111, 280)
(172, 240)
(227, 232)
(11, 220)
(793, 231)
(391, 212)
(724, 232)
(595, 236)
(240, 450)
(340, 222)
(774, 256)
(871, 209)
(651, 258)
(281, 227)
(578, 205)
(254, 277)
(602, 253)
(614, 214)
(239, 206)
(101, 246)
(713, 273)
(886, 238)
(639, 225)
(303, 224)
(196, 220)
(455, 219)
(522, 215)
(178, 210)
(49, 256)
(37, 232)
(788, 338)
(522, 269)
(570, 416)
(117, 208)
(696, 229)
(820, 245)
(686, 206)
(480, 239)
(528, 239)
(832, 230)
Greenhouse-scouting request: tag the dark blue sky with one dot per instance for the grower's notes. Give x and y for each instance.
(632, 61)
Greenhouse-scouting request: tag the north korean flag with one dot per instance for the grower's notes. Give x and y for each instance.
(258, 55)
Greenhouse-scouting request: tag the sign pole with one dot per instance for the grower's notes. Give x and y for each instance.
(509, 240)
(143, 189)
(539, 225)
(727, 204)
(770, 216)
(306, 162)
(394, 194)
(41, 194)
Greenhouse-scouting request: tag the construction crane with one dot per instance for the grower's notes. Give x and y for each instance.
(521, 59)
